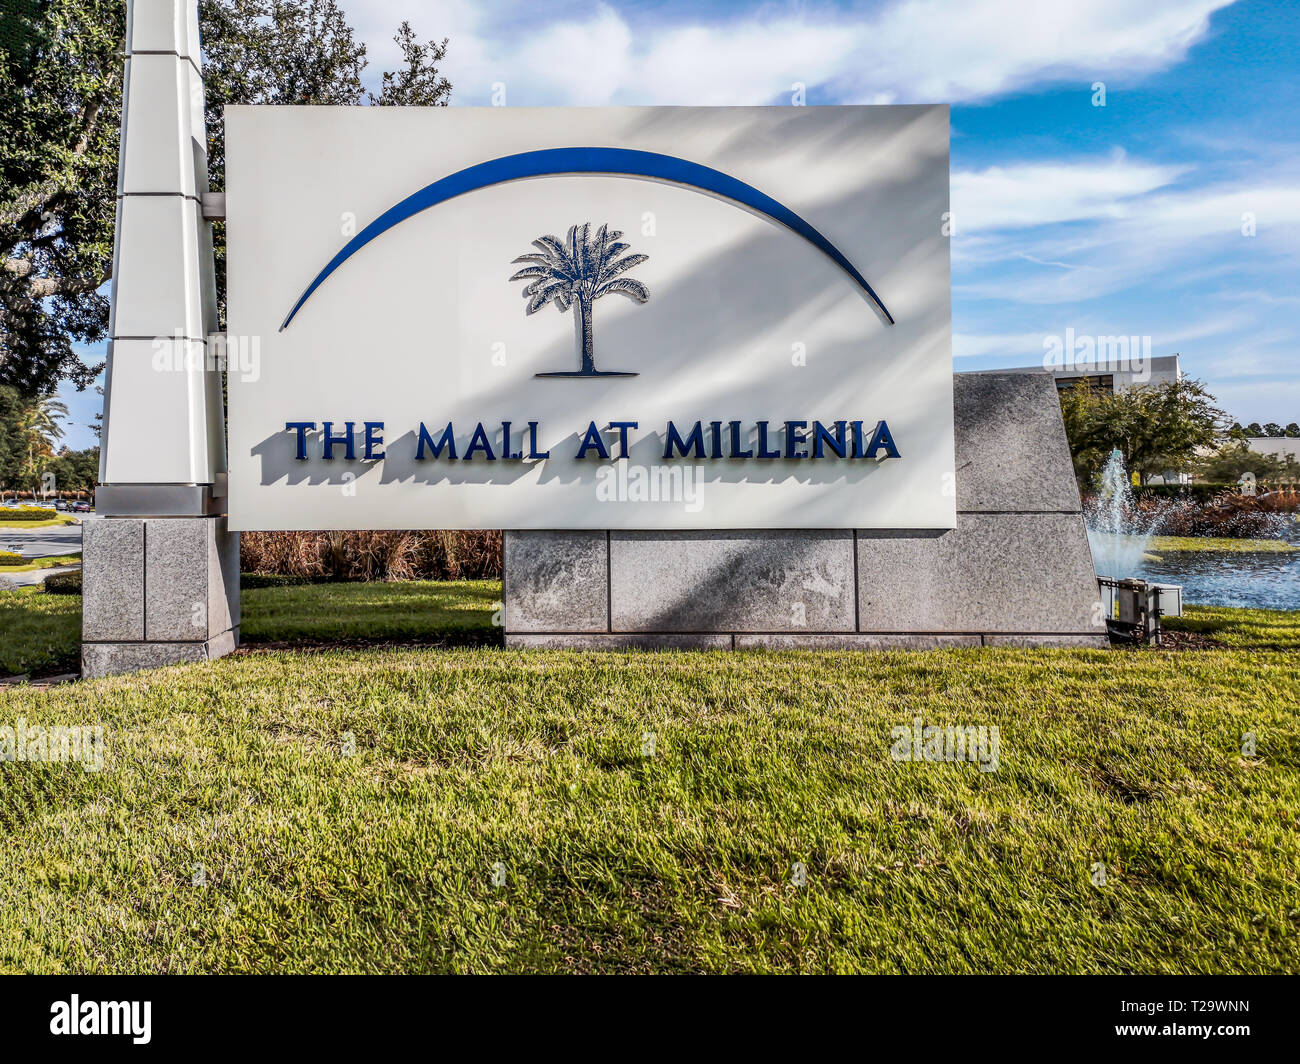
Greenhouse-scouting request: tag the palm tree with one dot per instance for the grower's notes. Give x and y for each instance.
(577, 272)
(40, 429)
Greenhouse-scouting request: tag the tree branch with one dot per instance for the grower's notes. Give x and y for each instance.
(29, 207)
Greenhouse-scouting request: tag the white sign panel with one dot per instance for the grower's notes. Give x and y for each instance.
(625, 318)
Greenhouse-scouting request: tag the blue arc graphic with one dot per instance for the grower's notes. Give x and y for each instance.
(553, 162)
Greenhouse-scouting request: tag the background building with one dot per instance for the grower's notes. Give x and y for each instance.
(1111, 375)
(1108, 374)
(1285, 448)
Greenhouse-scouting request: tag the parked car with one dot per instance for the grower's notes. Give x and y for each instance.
(60, 504)
(81, 507)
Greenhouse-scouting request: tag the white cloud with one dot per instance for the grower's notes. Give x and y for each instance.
(1029, 348)
(1218, 325)
(1130, 228)
(906, 51)
(1008, 346)
(1042, 193)
(1250, 401)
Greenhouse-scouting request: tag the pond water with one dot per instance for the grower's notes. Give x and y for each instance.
(1261, 581)
(1254, 579)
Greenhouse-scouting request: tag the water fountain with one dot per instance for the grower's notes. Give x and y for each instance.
(1119, 534)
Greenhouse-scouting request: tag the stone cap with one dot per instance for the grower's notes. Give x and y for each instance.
(1011, 450)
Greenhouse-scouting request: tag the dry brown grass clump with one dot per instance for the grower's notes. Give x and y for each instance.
(431, 555)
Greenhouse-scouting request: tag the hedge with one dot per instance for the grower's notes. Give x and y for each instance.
(64, 583)
(8, 557)
(27, 513)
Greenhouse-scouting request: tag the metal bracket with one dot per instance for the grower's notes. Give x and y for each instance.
(213, 205)
(158, 500)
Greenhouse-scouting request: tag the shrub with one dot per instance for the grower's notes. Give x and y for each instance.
(1201, 491)
(1228, 515)
(8, 557)
(64, 583)
(1207, 492)
(1231, 515)
(373, 555)
(27, 513)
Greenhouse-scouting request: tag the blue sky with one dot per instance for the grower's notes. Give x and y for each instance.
(1125, 219)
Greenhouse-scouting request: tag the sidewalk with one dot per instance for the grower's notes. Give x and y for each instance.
(32, 576)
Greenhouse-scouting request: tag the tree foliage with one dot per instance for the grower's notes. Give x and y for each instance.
(38, 431)
(74, 470)
(59, 115)
(30, 431)
(1156, 427)
(60, 109)
(297, 52)
(1233, 459)
(11, 443)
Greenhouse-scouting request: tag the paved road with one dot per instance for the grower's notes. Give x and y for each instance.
(31, 577)
(41, 542)
(38, 543)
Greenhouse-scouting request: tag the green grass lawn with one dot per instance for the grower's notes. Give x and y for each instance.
(375, 611)
(1244, 629)
(1220, 545)
(38, 631)
(232, 830)
(49, 561)
(43, 632)
(331, 810)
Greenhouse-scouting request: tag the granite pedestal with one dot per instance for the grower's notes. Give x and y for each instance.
(1016, 570)
(157, 591)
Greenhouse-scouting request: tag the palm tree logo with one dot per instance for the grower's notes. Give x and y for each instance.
(577, 272)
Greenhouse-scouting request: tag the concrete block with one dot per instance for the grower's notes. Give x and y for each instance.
(992, 573)
(556, 582)
(1016, 571)
(180, 555)
(732, 581)
(221, 645)
(223, 578)
(158, 591)
(620, 641)
(1011, 448)
(108, 659)
(852, 641)
(112, 599)
(1082, 642)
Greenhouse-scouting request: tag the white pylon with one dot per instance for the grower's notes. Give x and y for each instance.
(163, 420)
